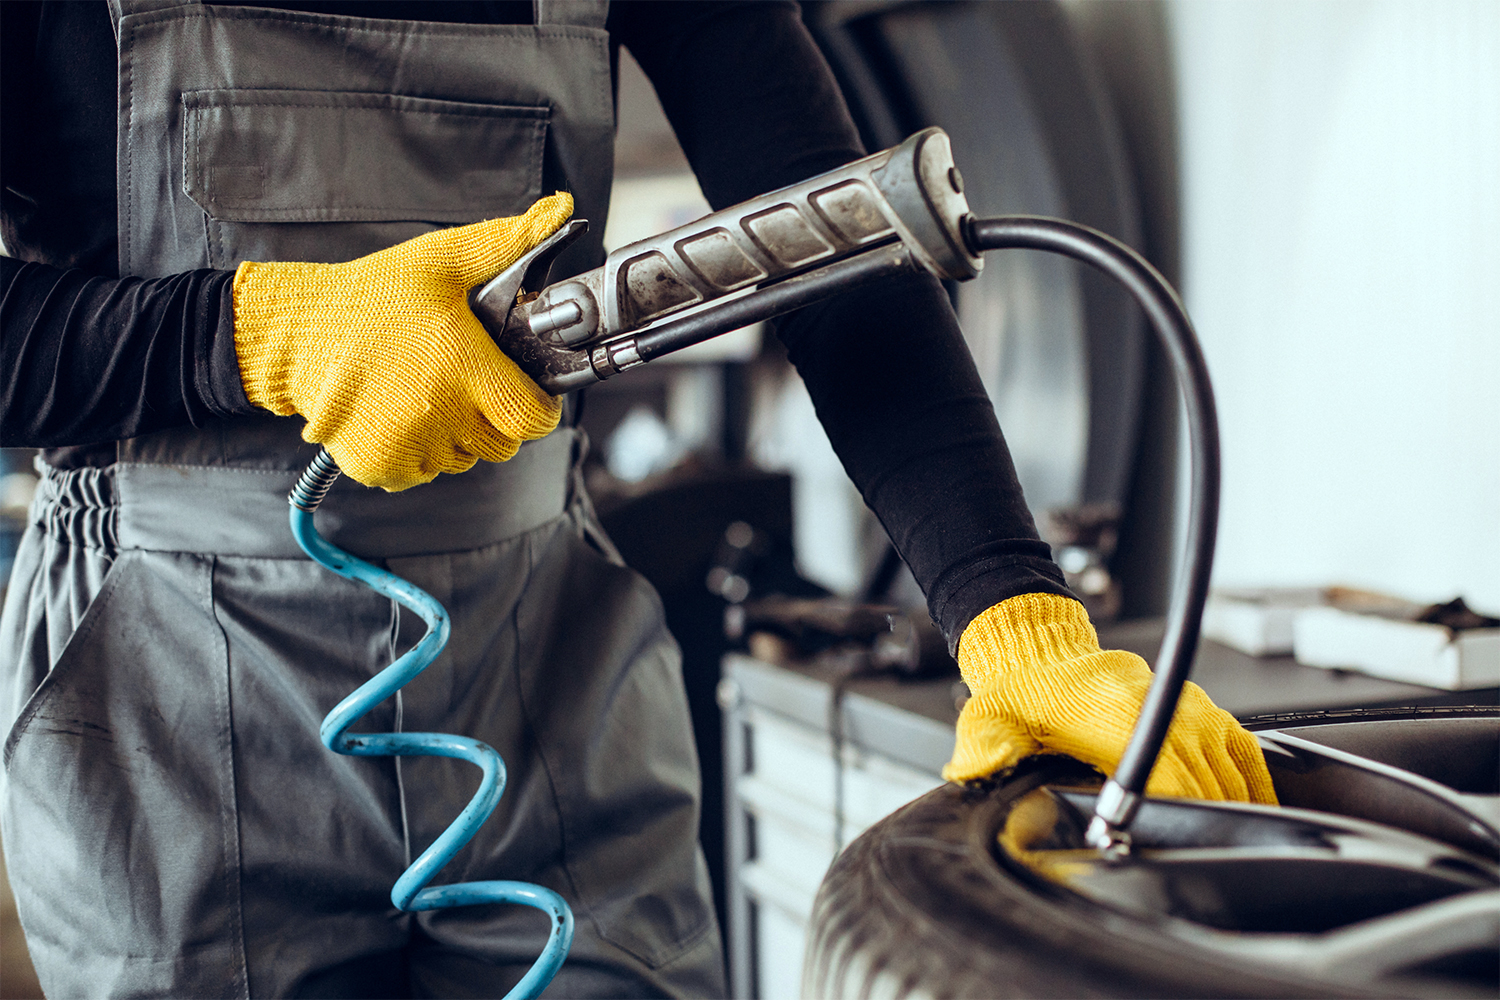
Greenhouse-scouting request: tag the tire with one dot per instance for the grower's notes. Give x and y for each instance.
(925, 903)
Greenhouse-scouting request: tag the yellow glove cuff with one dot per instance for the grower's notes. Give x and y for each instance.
(1027, 631)
(1018, 659)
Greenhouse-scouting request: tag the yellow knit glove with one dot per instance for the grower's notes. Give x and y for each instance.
(1041, 684)
(384, 358)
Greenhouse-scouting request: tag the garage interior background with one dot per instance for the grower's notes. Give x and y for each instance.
(1330, 214)
(1320, 180)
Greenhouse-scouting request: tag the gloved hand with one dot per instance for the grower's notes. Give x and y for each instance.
(1040, 683)
(382, 355)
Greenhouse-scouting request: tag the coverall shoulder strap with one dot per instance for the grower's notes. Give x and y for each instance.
(583, 13)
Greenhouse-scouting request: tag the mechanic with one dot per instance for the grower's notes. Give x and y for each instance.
(171, 824)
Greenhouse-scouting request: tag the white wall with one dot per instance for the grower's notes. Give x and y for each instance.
(1341, 208)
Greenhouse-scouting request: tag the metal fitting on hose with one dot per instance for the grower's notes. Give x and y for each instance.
(1108, 831)
(316, 480)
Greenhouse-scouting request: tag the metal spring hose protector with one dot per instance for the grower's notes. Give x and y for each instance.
(411, 892)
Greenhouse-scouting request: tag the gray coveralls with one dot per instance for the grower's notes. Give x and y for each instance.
(172, 825)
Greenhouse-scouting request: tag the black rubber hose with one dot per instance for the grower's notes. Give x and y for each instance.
(1167, 317)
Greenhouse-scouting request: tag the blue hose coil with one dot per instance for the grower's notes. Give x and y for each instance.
(409, 893)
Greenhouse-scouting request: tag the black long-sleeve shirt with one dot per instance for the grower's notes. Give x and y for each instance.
(89, 358)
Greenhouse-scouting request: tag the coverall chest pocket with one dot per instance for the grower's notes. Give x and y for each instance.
(321, 176)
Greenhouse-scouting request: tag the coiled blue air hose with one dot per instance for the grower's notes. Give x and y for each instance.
(409, 893)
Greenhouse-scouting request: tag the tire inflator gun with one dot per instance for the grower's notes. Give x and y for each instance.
(897, 212)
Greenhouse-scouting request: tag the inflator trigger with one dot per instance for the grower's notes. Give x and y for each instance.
(493, 301)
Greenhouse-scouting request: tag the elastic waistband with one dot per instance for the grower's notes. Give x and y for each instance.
(223, 510)
(77, 505)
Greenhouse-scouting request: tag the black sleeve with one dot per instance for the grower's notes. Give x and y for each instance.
(84, 356)
(755, 107)
(86, 359)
